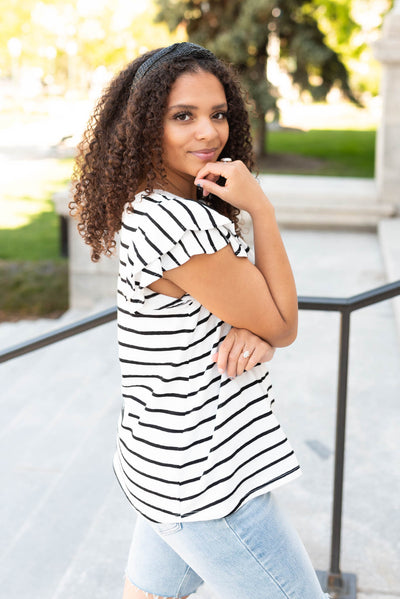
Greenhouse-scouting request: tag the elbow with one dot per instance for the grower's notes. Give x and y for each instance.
(286, 335)
(286, 339)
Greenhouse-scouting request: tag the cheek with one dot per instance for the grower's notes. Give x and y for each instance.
(172, 141)
(224, 133)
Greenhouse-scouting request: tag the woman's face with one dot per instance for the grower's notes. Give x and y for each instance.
(195, 128)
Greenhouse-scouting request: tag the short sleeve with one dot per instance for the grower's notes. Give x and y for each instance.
(164, 232)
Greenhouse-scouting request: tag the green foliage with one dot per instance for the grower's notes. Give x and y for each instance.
(39, 239)
(338, 152)
(67, 38)
(32, 289)
(239, 31)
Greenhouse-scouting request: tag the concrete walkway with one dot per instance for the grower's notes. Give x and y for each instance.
(65, 526)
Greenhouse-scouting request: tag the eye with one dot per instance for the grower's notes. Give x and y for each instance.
(220, 116)
(182, 116)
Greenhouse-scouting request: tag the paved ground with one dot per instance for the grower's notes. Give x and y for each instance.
(65, 527)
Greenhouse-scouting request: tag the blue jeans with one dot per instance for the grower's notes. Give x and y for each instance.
(252, 554)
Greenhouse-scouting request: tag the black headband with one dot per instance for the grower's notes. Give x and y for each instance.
(175, 51)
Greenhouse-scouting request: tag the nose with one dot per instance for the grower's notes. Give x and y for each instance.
(205, 129)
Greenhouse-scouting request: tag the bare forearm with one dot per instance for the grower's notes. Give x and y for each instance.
(272, 261)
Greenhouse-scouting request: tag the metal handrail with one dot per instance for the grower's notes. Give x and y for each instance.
(336, 583)
(59, 334)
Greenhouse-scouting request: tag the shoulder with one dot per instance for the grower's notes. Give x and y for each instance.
(165, 210)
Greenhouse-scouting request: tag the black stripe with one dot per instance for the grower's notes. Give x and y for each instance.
(179, 395)
(144, 502)
(176, 301)
(173, 413)
(173, 364)
(210, 241)
(138, 315)
(239, 449)
(239, 430)
(210, 486)
(199, 242)
(172, 216)
(190, 213)
(159, 333)
(205, 472)
(270, 482)
(128, 228)
(244, 388)
(150, 243)
(236, 488)
(157, 225)
(163, 464)
(174, 430)
(179, 347)
(190, 377)
(173, 258)
(127, 282)
(222, 480)
(152, 273)
(142, 403)
(166, 332)
(163, 446)
(240, 411)
(152, 477)
(188, 254)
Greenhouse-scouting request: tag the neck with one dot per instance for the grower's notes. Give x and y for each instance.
(182, 186)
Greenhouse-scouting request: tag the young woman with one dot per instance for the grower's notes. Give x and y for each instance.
(166, 162)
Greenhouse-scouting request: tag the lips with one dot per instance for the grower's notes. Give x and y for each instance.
(204, 154)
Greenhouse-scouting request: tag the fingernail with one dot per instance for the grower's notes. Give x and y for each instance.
(221, 370)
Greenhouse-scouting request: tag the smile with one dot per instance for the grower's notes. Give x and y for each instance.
(206, 154)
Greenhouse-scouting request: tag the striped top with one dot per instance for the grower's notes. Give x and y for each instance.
(192, 443)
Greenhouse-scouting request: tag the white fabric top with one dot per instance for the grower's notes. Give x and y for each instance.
(192, 443)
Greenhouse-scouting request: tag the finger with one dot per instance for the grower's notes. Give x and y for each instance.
(214, 168)
(211, 187)
(258, 356)
(252, 361)
(243, 360)
(223, 351)
(233, 360)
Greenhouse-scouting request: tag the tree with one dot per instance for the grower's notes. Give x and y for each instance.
(239, 31)
(58, 36)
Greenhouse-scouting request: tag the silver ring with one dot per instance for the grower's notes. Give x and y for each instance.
(226, 159)
(246, 354)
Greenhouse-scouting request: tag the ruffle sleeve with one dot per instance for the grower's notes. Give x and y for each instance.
(163, 232)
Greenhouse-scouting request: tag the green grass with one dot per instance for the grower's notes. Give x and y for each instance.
(33, 289)
(348, 153)
(33, 276)
(39, 239)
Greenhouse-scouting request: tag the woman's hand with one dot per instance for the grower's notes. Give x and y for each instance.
(231, 353)
(241, 189)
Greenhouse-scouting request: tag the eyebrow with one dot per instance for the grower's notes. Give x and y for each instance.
(191, 107)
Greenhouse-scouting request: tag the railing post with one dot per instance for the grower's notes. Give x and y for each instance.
(337, 584)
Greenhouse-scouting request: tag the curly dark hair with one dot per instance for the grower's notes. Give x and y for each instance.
(121, 149)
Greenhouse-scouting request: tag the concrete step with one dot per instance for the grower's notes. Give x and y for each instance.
(58, 519)
(348, 202)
